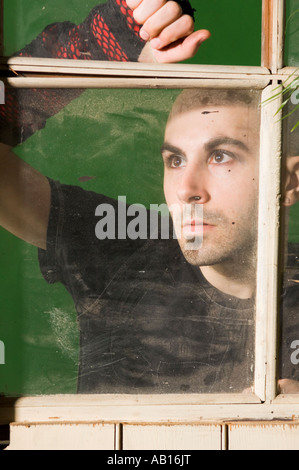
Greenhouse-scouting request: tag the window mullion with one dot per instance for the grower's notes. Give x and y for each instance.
(273, 34)
(268, 246)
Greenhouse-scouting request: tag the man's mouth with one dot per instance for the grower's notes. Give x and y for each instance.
(196, 227)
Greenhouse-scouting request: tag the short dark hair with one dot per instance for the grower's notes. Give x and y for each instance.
(194, 98)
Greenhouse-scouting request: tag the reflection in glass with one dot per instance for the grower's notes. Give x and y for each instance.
(158, 310)
(289, 325)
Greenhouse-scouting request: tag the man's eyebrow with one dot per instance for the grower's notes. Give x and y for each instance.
(171, 148)
(213, 143)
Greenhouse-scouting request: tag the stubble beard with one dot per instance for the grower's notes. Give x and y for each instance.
(230, 245)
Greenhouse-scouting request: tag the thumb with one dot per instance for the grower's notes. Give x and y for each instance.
(183, 49)
(192, 43)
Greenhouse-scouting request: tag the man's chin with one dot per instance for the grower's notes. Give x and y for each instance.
(198, 255)
(195, 259)
(209, 257)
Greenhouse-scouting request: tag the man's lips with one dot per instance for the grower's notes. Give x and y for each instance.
(197, 226)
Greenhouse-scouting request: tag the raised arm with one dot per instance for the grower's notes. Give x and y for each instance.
(123, 30)
(24, 199)
(112, 31)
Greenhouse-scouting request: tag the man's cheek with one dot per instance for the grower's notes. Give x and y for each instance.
(170, 193)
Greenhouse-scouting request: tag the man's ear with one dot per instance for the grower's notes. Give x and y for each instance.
(291, 184)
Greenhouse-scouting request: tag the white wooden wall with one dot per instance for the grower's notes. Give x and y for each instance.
(98, 436)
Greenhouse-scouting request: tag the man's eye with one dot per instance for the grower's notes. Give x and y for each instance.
(175, 161)
(220, 156)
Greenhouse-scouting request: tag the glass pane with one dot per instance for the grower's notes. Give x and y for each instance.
(115, 300)
(25, 21)
(291, 55)
(289, 328)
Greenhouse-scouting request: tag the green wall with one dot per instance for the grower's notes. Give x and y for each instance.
(292, 33)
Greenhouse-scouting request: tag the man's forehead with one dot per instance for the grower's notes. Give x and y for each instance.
(201, 97)
(211, 127)
(230, 117)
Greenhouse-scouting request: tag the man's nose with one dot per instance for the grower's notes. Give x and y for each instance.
(193, 187)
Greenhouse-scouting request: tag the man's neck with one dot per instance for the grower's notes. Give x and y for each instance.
(230, 280)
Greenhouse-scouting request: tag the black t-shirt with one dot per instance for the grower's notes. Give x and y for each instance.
(149, 322)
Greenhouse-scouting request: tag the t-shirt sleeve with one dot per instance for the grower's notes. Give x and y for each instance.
(76, 255)
(71, 238)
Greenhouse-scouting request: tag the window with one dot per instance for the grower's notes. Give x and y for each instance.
(291, 38)
(136, 100)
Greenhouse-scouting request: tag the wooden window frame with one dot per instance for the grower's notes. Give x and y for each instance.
(265, 403)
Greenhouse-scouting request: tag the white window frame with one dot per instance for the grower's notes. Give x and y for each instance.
(264, 403)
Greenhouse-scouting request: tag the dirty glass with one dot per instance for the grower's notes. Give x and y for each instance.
(110, 296)
(289, 331)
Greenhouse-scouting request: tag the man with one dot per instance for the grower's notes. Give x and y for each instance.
(208, 161)
(156, 316)
(149, 320)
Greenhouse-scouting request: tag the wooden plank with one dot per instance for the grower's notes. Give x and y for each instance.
(183, 437)
(268, 245)
(263, 436)
(120, 82)
(289, 71)
(45, 72)
(95, 67)
(61, 436)
(277, 35)
(267, 33)
(118, 410)
(272, 34)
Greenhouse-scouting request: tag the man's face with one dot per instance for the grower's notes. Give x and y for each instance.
(211, 159)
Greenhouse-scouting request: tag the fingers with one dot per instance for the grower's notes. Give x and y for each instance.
(181, 28)
(161, 19)
(288, 386)
(182, 49)
(156, 15)
(145, 9)
(133, 3)
(169, 30)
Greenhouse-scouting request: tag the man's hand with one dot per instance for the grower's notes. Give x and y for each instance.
(288, 386)
(167, 29)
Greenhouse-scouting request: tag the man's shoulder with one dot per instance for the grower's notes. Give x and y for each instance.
(75, 194)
